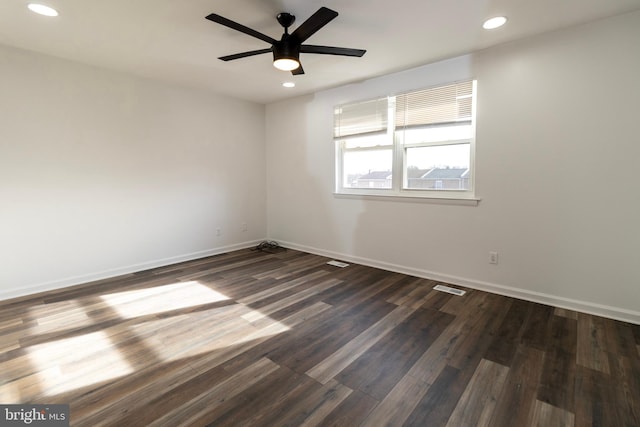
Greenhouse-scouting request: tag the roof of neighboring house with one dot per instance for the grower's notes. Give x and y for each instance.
(415, 172)
(377, 175)
(454, 173)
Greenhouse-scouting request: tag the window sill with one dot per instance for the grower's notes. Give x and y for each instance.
(448, 199)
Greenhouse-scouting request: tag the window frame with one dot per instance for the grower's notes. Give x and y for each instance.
(399, 167)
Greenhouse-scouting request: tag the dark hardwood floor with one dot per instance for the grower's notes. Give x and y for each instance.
(251, 338)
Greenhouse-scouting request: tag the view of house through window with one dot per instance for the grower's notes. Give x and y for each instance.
(365, 158)
(419, 143)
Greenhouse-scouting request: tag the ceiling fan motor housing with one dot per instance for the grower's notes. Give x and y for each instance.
(285, 49)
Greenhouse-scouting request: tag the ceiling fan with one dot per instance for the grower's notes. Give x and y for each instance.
(287, 50)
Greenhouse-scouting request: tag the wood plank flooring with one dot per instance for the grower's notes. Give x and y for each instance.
(250, 338)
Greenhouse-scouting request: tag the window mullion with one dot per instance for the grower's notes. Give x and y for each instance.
(339, 155)
(397, 165)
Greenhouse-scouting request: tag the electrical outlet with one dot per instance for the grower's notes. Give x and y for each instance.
(493, 257)
(218, 232)
(244, 226)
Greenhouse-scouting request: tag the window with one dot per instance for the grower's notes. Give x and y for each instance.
(417, 144)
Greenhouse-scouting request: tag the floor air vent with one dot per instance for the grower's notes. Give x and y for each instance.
(338, 264)
(449, 290)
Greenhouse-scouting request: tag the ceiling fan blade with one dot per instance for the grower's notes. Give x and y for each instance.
(316, 21)
(239, 27)
(298, 71)
(244, 54)
(331, 50)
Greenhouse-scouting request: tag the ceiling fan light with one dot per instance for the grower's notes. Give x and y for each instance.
(286, 64)
(285, 56)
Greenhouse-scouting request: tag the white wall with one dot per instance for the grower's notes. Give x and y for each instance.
(103, 173)
(557, 172)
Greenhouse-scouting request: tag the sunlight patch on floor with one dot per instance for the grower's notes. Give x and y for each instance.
(10, 394)
(69, 315)
(274, 328)
(130, 304)
(203, 332)
(90, 359)
(76, 362)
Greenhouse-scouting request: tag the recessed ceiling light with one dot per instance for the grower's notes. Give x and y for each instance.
(289, 84)
(492, 23)
(42, 9)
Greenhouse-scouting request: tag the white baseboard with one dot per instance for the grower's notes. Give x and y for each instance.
(523, 294)
(134, 268)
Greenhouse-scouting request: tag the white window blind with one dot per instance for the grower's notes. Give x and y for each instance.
(444, 104)
(362, 118)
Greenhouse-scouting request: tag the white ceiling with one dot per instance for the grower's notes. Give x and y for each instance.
(172, 40)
